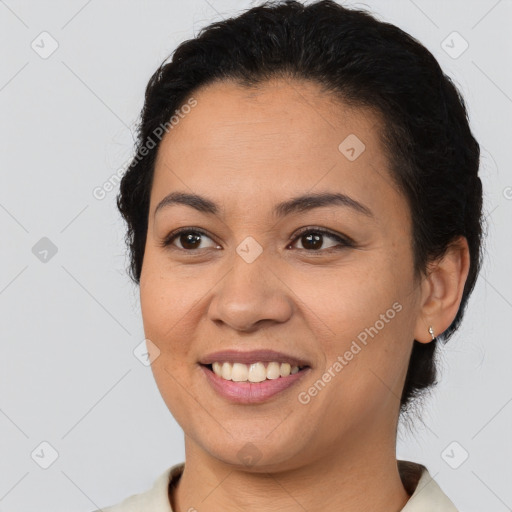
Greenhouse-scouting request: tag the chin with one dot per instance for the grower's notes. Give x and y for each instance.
(255, 454)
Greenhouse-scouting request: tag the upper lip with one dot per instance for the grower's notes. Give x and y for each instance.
(253, 356)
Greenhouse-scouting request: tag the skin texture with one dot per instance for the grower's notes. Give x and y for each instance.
(248, 149)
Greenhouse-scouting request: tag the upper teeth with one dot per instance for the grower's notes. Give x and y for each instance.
(255, 372)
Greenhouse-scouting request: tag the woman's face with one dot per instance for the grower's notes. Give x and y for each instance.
(253, 280)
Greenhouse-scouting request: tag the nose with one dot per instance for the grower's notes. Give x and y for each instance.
(249, 295)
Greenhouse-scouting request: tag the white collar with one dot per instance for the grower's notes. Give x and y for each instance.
(426, 493)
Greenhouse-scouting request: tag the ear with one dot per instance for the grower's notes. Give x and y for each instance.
(442, 289)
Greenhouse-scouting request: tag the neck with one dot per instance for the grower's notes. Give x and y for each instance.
(361, 476)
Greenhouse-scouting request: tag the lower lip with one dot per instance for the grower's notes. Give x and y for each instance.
(251, 392)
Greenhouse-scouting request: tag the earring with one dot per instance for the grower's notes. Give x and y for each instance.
(431, 331)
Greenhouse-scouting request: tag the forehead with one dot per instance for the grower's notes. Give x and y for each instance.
(280, 139)
(279, 118)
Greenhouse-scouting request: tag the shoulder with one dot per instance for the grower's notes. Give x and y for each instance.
(155, 499)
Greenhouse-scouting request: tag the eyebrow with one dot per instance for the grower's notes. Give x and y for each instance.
(295, 205)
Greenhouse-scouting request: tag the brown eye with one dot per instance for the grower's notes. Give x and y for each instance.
(312, 240)
(189, 239)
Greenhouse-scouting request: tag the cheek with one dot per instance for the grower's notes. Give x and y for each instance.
(348, 299)
(169, 319)
(169, 304)
(361, 316)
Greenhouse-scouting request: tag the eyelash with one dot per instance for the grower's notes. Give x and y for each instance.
(344, 241)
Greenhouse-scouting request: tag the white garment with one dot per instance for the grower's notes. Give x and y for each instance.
(426, 495)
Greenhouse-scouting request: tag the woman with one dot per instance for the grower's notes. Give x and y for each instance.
(304, 221)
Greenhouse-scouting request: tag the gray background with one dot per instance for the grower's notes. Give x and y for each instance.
(70, 321)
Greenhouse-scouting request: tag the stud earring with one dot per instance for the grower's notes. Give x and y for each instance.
(431, 331)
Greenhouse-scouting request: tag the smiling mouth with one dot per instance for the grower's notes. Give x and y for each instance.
(254, 372)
